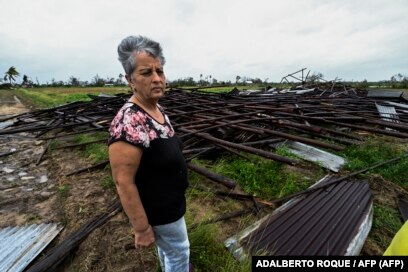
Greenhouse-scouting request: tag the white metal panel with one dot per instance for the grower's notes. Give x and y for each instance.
(313, 154)
(387, 113)
(20, 245)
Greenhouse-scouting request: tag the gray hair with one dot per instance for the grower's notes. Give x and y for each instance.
(135, 44)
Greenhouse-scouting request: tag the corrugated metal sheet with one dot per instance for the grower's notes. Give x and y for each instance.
(334, 221)
(384, 93)
(313, 154)
(56, 255)
(20, 245)
(387, 113)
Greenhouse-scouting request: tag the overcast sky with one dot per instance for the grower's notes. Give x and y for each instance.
(266, 39)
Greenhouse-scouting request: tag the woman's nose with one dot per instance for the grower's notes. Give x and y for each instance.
(156, 76)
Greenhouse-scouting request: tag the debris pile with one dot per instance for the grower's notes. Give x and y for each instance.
(312, 120)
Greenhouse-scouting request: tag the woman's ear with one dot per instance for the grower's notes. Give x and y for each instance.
(128, 79)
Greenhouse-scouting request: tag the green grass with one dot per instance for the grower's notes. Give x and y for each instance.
(386, 220)
(371, 152)
(285, 152)
(219, 89)
(208, 254)
(226, 89)
(196, 188)
(367, 154)
(51, 97)
(63, 190)
(108, 183)
(97, 152)
(54, 143)
(261, 177)
(397, 172)
(83, 138)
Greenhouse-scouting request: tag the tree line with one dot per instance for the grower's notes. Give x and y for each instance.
(11, 75)
(396, 81)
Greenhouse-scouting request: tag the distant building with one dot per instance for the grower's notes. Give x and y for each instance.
(108, 85)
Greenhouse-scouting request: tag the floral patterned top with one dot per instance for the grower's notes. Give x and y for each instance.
(161, 177)
(134, 125)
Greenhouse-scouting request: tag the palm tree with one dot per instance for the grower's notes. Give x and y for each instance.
(11, 74)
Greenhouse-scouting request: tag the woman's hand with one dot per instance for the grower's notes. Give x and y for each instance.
(144, 238)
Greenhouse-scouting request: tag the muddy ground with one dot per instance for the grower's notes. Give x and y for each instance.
(37, 191)
(34, 192)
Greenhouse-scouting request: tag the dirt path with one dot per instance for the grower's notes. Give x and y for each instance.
(26, 191)
(10, 105)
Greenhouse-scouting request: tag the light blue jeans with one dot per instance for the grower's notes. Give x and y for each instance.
(173, 246)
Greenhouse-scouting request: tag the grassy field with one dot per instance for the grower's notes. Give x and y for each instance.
(50, 97)
(263, 178)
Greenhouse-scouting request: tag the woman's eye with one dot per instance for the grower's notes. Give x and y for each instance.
(146, 73)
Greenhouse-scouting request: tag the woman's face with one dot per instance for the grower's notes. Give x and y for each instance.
(148, 79)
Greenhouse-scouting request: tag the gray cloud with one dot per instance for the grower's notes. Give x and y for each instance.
(223, 38)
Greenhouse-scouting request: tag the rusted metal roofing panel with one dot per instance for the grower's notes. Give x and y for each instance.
(20, 245)
(313, 154)
(332, 221)
(384, 93)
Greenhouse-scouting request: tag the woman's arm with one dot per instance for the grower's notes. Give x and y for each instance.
(124, 160)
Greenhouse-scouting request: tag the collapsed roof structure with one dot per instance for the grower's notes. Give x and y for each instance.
(312, 120)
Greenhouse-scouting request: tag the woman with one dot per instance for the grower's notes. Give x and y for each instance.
(146, 159)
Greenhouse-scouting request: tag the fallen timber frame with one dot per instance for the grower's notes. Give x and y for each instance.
(249, 149)
(340, 179)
